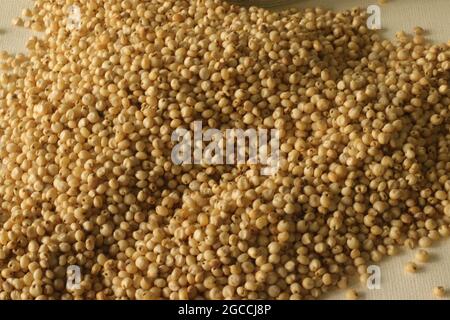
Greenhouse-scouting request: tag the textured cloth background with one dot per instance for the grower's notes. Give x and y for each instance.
(433, 15)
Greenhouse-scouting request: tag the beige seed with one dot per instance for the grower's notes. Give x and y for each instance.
(425, 242)
(411, 267)
(18, 22)
(439, 292)
(352, 294)
(422, 256)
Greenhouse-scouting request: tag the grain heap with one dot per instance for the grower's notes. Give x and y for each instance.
(86, 179)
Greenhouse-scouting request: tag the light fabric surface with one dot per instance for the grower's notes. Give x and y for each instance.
(433, 15)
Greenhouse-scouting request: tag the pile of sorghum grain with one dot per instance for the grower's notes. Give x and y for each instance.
(86, 118)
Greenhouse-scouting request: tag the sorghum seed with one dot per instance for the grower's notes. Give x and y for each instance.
(439, 292)
(411, 267)
(422, 256)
